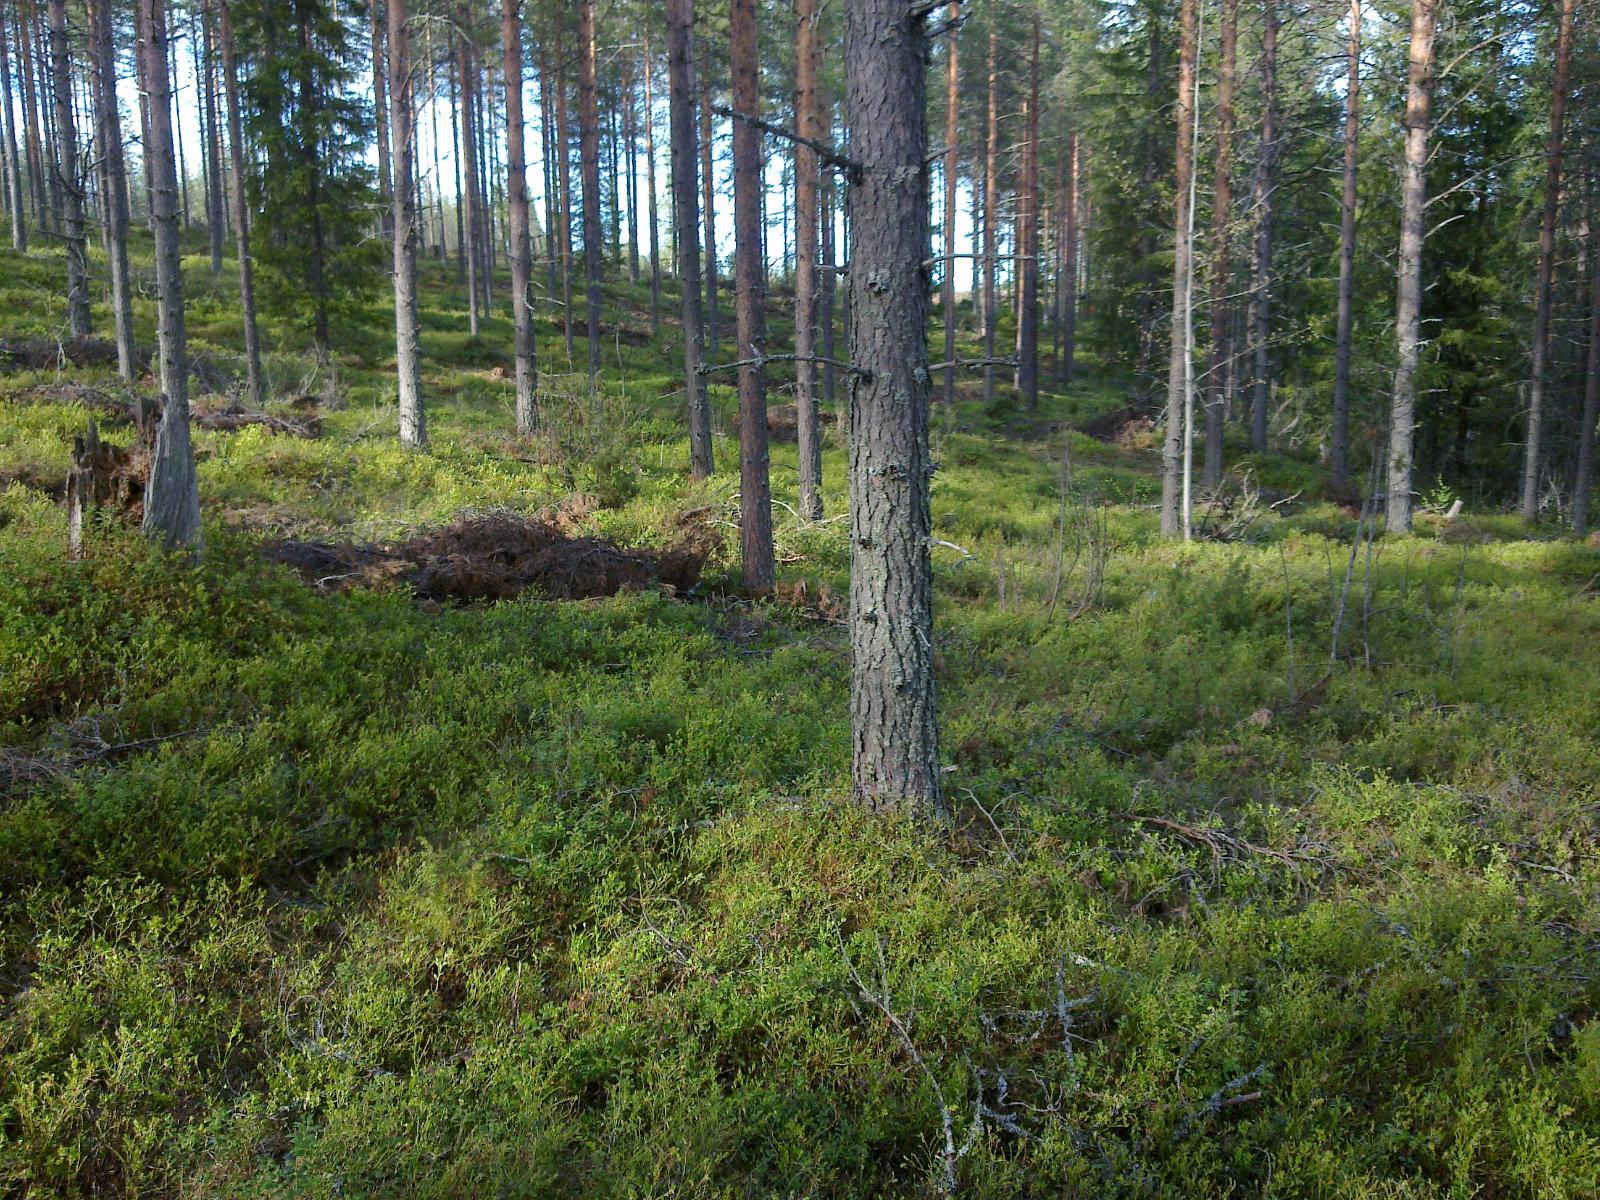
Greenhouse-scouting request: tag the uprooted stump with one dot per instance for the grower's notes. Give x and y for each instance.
(498, 555)
(103, 476)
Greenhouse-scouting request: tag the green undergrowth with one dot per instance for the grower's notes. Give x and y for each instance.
(312, 895)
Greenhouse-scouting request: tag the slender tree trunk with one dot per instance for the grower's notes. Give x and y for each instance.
(686, 223)
(829, 284)
(708, 192)
(650, 187)
(589, 156)
(1028, 325)
(241, 214)
(1069, 267)
(172, 497)
(31, 124)
(1584, 475)
(547, 141)
(408, 360)
(19, 215)
(115, 200)
(1408, 307)
(177, 135)
(990, 215)
(952, 136)
(454, 80)
(67, 175)
(470, 248)
(894, 738)
(1554, 152)
(38, 35)
(1221, 313)
(755, 496)
(564, 163)
(1339, 435)
(808, 123)
(380, 110)
(1264, 203)
(1173, 517)
(521, 254)
(206, 81)
(630, 152)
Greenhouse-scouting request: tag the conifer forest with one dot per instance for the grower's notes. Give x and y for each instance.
(799, 598)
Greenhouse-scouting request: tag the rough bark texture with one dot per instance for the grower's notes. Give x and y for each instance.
(990, 216)
(1553, 155)
(1221, 309)
(67, 177)
(527, 366)
(1408, 306)
(19, 216)
(241, 214)
(708, 186)
(114, 204)
(1182, 270)
(589, 161)
(806, 177)
(172, 497)
(1028, 240)
(895, 741)
(1583, 476)
(686, 223)
(749, 275)
(1266, 185)
(1339, 434)
(407, 359)
(952, 132)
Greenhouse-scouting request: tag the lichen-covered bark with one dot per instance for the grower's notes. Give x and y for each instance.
(895, 747)
(172, 498)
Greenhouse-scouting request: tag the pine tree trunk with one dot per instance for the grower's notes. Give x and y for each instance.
(521, 241)
(808, 124)
(1408, 307)
(241, 215)
(1028, 300)
(470, 248)
(650, 188)
(380, 110)
(829, 285)
(589, 156)
(1583, 477)
(630, 174)
(1221, 309)
(216, 208)
(1554, 152)
(1069, 267)
(990, 215)
(686, 223)
(68, 178)
(755, 496)
(952, 136)
(1339, 434)
(19, 215)
(114, 204)
(454, 81)
(709, 210)
(894, 732)
(564, 168)
(1173, 516)
(31, 124)
(403, 222)
(1264, 203)
(172, 497)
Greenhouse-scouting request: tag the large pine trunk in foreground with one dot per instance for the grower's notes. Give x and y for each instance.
(172, 497)
(1178, 359)
(1408, 292)
(407, 358)
(1547, 256)
(686, 223)
(749, 277)
(895, 741)
(527, 367)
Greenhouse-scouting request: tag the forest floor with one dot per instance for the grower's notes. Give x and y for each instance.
(350, 887)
